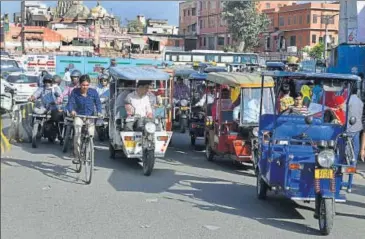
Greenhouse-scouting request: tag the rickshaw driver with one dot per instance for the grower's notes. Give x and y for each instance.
(83, 101)
(120, 101)
(181, 91)
(225, 101)
(138, 103)
(208, 95)
(286, 101)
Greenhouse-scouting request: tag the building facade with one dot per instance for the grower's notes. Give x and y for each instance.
(300, 25)
(36, 13)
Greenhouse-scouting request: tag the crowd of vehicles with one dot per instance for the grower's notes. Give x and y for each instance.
(235, 113)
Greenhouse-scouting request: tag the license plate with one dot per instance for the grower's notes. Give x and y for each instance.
(130, 144)
(184, 108)
(323, 173)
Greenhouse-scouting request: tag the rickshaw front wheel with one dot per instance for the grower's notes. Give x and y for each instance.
(148, 162)
(326, 215)
(192, 140)
(209, 152)
(261, 187)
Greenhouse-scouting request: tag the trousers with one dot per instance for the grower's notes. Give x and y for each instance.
(78, 123)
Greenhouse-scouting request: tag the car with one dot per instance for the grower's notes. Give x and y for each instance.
(7, 95)
(8, 65)
(25, 84)
(4, 54)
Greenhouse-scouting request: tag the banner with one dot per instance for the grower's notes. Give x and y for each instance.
(70, 62)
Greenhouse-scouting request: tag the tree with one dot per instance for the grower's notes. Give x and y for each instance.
(135, 26)
(245, 23)
(317, 51)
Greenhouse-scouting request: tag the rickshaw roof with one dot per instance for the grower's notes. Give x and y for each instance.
(310, 75)
(242, 79)
(198, 76)
(138, 73)
(275, 64)
(215, 69)
(184, 72)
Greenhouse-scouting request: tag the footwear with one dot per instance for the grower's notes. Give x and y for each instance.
(76, 161)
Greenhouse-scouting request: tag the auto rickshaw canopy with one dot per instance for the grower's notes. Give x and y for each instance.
(210, 69)
(134, 73)
(239, 79)
(198, 76)
(310, 76)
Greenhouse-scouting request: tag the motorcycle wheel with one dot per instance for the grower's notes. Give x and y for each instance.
(192, 140)
(111, 151)
(183, 125)
(326, 215)
(148, 162)
(35, 135)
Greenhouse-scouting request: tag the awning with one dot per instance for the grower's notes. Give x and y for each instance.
(138, 41)
(277, 33)
(153, 38)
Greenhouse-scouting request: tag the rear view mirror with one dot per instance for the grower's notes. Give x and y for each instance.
(308, 119)
(352, 120)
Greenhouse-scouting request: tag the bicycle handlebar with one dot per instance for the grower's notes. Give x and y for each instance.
(87, 116)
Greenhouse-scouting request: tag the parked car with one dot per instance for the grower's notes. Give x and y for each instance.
(25, 84)
(8, 65)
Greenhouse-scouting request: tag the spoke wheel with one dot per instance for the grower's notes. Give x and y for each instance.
(326, 215)
(89, 161)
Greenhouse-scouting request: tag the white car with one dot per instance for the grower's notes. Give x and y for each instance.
(7, 96)
(25, 84)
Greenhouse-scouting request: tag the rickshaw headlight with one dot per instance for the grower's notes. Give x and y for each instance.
(255, 131)
(183, 103)
(326, 158)
(150, 127)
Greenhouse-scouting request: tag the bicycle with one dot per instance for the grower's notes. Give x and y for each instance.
(86, 156)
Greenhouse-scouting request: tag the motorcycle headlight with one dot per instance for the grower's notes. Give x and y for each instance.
(150, 127)
(326, 158)
(183, 103)
(255, 131)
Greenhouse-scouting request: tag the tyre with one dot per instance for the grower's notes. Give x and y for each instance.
(254, 161)
(35, 135)
(183, 125)
(209, 154)
(148, 162)
(261, 187)
(101, 134)
(111, 151)
(326, 215)
(89, 161)
(192, 140)
(67, 139)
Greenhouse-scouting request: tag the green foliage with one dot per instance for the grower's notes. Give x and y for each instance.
(245, 23)
(135, 26)
(317, 51)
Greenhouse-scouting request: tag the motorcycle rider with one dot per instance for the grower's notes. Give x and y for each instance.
(181, 91)
(58, 81)
(63, 99)
(43, 73)
(104, 94)
(83, 101)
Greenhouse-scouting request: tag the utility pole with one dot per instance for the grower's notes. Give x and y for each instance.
(23, 23)
(326, 21)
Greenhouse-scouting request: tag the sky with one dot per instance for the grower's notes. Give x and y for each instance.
(124, 9)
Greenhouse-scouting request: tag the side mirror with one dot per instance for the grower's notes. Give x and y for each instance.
(308, 119)
(352, 120)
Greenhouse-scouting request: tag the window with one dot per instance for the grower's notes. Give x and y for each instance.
(308, 19)
(300, 19)
(205, 41)
(289, 19)
(295, 20)
(320, 39)
(228, 40)
(314, 38)
(293, 40)
(189, 12)
(315, 16)
(268, 6)
(327, 19)
(201, 41)
(299, 40)
(281, 21)
(185, 13)
(193, 11)
(220, 41)
(193, 27)
(177, 43)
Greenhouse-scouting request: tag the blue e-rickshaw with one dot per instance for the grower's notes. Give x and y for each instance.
(305, 154)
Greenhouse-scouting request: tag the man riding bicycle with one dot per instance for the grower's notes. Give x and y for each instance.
(83, 101)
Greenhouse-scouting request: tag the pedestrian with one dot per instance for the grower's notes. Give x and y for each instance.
(67, 76)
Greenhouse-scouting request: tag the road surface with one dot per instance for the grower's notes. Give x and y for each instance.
(185, 197)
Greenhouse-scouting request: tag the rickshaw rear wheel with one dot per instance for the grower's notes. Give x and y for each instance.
(326, 215)
(111, 151)
(261, 187)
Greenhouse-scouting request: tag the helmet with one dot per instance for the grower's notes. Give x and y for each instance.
(57, 78)
(47, 77)
(75, 73)
(103, 77)
(44, 72)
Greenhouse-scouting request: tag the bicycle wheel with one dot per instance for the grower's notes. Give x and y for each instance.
(81, 159)
(89, 160)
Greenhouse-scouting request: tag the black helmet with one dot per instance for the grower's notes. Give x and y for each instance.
(44, 72)
(75, 73)
(47, 77)
(57, 78)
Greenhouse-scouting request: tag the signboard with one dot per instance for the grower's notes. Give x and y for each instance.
(93, 65)
(70, 62)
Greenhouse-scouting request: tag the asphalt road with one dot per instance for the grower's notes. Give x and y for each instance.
(185, 197)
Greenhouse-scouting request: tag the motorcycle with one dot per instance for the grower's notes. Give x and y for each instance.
(182, 111)
(102, 128)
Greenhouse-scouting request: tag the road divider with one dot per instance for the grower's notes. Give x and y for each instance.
(21, 123)
(5, 145)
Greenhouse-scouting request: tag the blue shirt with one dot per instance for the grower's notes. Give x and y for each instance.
(84, 105)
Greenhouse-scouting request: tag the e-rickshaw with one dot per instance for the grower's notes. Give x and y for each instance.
(275, 66)
(197, 116)
(305, 153)
(134, 136)
(182, 107)
(233, 132)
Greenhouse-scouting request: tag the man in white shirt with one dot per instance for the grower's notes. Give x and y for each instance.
(138, 103)
(67, 76)
(206, 98)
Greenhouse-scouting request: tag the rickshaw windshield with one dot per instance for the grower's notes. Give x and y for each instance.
(250, 104)
(322, 99)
